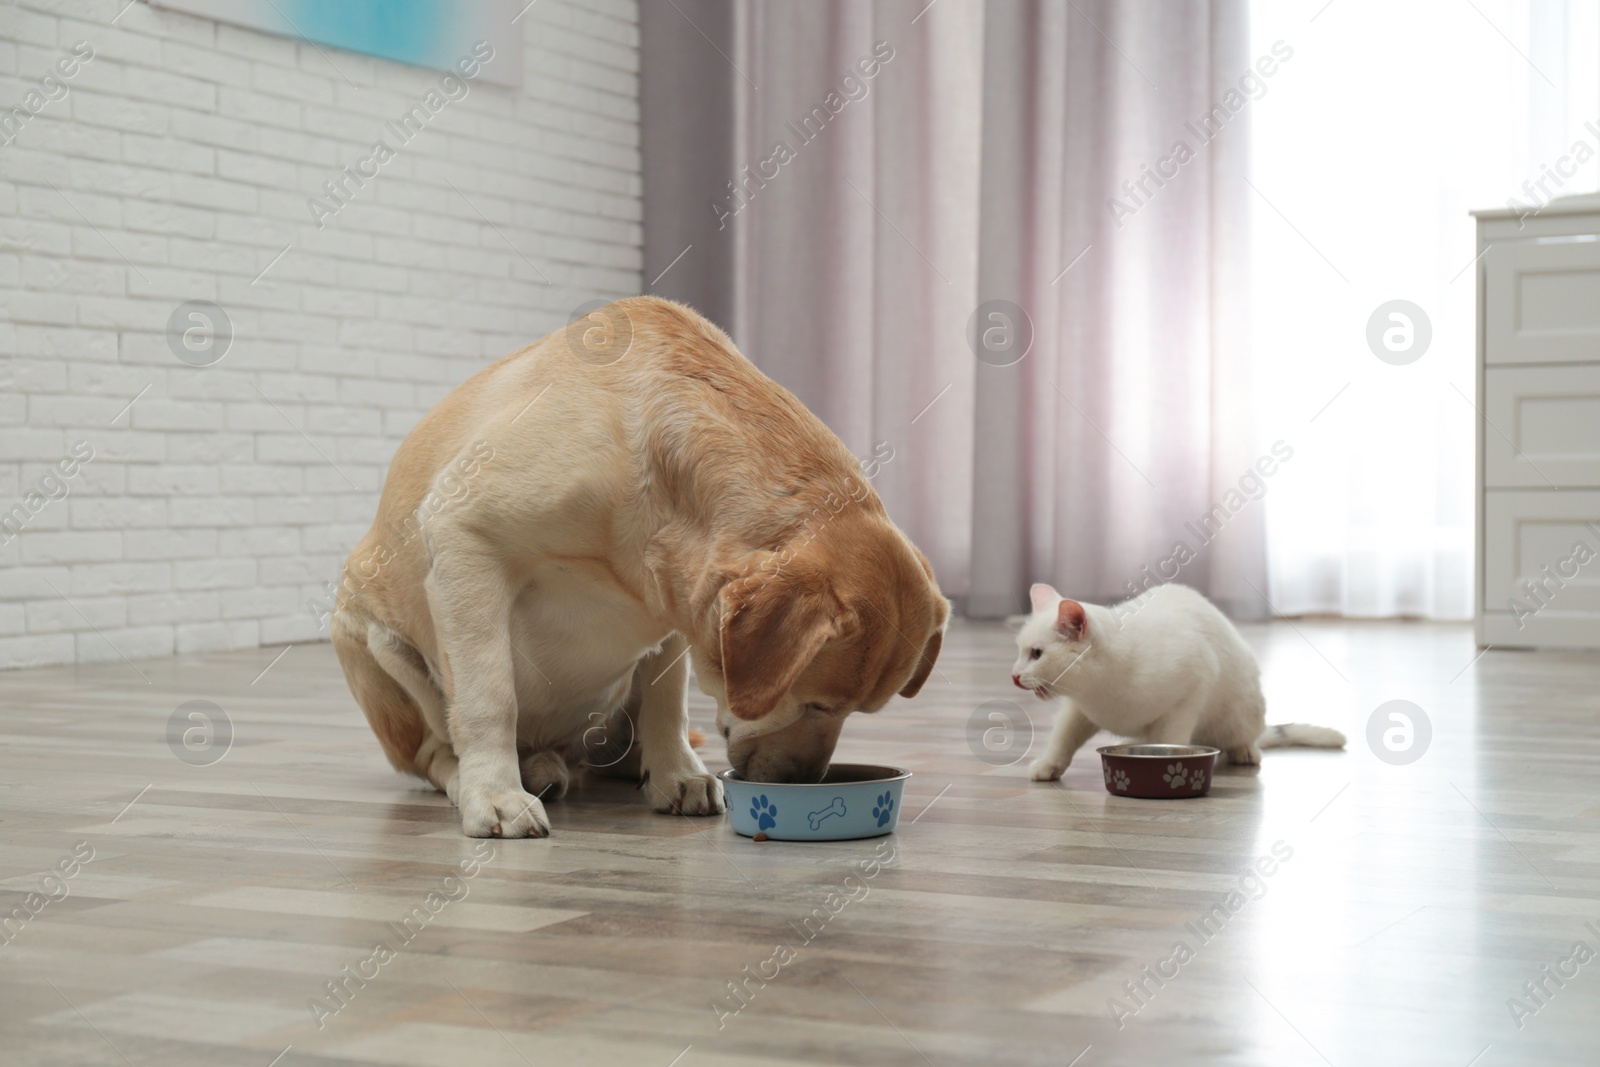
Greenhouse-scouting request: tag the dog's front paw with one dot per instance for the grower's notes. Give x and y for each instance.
(512, 813)
(686, 793)
(1046, 770)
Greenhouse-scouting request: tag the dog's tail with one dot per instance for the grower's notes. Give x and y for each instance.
(1302, 734)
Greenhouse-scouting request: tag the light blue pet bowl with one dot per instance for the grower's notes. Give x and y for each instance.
(853, 800)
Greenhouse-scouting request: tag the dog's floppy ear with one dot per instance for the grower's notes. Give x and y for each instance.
(772, 628)
(930, 653)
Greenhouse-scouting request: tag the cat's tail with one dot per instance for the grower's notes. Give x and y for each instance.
(1287, 734)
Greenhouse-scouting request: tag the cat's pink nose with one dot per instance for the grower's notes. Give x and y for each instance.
(1016, 680)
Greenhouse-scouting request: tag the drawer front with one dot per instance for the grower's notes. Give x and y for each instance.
(1544, 427)
(1542, 301)
(1541, 567)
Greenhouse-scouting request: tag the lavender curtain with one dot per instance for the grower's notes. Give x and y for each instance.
(857, 191)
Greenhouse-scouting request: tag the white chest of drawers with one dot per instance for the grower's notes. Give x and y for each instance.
(1538, 482)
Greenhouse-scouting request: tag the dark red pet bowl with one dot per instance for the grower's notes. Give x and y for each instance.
(1158, 772)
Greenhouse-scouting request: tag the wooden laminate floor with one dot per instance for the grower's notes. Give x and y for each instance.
(1004, 923)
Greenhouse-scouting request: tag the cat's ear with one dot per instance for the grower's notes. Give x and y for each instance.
(1043, 596)
(1071, 620)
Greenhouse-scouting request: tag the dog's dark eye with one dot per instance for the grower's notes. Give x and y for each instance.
(1035, 653)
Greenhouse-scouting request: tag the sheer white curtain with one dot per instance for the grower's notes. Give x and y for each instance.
(843, 184)
(1387, 126)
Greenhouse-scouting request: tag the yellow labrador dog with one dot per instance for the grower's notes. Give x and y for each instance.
(564, 529)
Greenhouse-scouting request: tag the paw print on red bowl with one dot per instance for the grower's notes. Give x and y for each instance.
(1197, 779)
(1176, 776)
(1119, 781)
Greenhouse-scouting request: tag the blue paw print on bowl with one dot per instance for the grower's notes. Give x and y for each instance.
(883, 809)
(764, 813)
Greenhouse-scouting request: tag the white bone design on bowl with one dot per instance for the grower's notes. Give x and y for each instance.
(836, 808)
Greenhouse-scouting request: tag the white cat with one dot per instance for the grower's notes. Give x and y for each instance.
(1165, 667)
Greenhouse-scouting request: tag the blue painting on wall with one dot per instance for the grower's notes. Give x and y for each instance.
(435, 34)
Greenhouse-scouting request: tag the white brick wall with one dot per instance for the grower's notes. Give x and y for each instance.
(176, 168)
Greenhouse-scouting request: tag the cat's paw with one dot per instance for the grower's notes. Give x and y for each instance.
(1046, 770)
(1244, 756)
